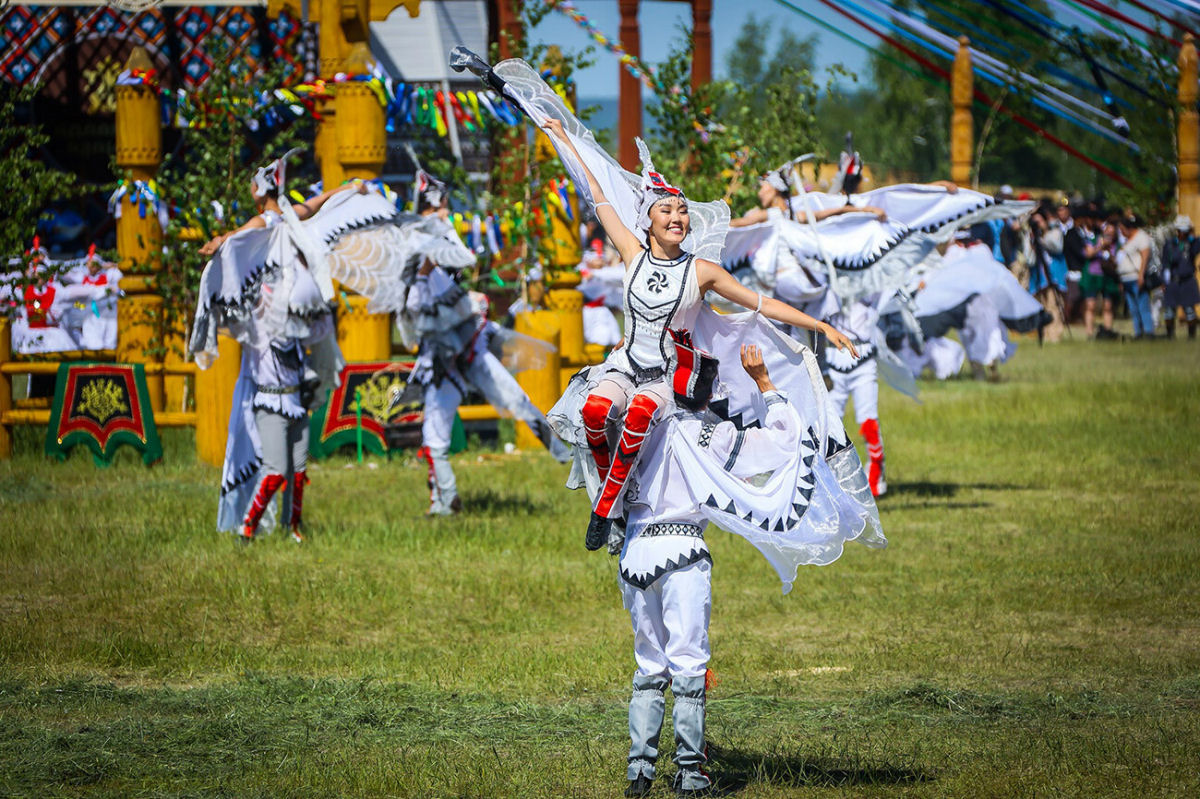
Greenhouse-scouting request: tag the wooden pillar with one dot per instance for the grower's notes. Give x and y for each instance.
(361, 150)
(542, 385)
(629, 114)
(214, 401)
(5, 387)
(962, 131)
(139, 239)
(361, 123)
(1188, 131)
(332, 49)
(508, 26)
(702, 42)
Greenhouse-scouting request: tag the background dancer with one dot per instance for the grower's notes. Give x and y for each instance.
(269, 286)
(455, 340)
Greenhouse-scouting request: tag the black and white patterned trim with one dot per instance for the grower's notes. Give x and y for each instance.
(644, 582)
(706, 434)
(774, 398)
(672, 528)
(737, 449)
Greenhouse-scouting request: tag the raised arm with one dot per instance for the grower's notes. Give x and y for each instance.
(309, 207)
(754, 216)
(713, 278)
(624, 239)
(214, 244)
(825, 213)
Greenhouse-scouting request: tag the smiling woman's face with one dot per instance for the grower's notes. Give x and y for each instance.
(669, 222)
(766, 194)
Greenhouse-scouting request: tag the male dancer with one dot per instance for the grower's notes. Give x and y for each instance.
(454, 352)
(665, 565)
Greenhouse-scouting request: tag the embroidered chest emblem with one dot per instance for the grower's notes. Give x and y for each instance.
(657, 282)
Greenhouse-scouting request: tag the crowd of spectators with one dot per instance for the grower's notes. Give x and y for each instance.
(1086, 263)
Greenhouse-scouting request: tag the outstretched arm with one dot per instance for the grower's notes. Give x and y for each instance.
(214, 244)
(624, 239)
(309, 207)
(752, 217)
(713, 278)
(825, 213)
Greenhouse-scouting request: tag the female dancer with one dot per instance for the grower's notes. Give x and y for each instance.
(775, 267)
(269, 285)
(663, 289)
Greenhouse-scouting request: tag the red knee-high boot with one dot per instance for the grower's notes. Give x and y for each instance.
(266, 489)
(875, 472)
(637, 425)
(596, 411)
(299, 479)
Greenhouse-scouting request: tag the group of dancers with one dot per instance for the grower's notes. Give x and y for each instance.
(696, 416)
(64, 305)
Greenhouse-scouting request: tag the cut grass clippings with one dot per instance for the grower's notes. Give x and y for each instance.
(1032, 629)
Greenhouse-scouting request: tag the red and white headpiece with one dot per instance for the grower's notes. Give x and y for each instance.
(654, 187)
(273, 176)
(850, 169)
(428, 191)
(695, 372)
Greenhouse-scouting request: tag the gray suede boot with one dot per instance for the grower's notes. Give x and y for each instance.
(443, 495)
(647, 706)
(688, 719)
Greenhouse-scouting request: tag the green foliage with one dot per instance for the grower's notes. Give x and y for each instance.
(761, 117)
(30, 186)
(214, 162)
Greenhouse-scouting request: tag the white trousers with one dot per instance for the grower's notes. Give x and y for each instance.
(502, 390)
(670, 622)
(860, 385)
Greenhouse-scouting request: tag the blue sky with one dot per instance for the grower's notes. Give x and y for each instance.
(660, 22)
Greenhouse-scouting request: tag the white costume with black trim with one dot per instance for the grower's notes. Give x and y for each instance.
(456, 343)
(271, 289)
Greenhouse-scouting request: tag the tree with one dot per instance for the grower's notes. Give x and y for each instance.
(206, 180)
(30, 185)
(716, 139)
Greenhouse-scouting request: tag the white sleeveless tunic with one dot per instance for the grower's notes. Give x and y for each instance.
(658, 295)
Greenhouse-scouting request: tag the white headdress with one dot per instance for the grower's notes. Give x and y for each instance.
(428, 191)
(273, 176)
(654, 187)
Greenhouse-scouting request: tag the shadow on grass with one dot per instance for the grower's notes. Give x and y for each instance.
(733, 771)
(927, 489)
(495, 503)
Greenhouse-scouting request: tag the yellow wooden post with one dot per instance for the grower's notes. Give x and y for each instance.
(139, 239)
(566, 302)
(564, 248)
(214, 401)
(5, 387)
(1188, 131)
(361, 132)
(361, 150)
(962, 131)
(542, 385)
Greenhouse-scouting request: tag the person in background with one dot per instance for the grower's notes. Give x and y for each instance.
(1048, 268)
(1133, 258)
(1099, 278)
(1179, 272)
(1074, 254)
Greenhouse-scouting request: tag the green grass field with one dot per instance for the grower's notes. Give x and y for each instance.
(1033, 629)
